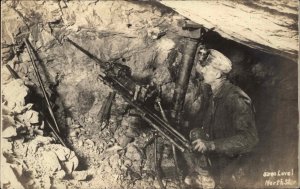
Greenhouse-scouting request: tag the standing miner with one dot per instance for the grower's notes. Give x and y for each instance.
(227, 131)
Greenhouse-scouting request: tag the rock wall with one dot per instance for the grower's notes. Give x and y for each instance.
(271, 26)
(140, 35)
(145, 37)
(30, 158)
(121, 31)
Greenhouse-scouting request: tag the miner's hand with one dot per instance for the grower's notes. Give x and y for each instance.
(203, 145)
(199, 145)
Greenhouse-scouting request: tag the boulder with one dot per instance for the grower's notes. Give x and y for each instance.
(133, 153)
(7, 121)
(6, 146)
(9, 132)
(123, 140)
(31, 117)
(61, 152)
(50, 162)
(80, 175)
(14, 93)
(38, 142)
(10, 177)
(60, 174)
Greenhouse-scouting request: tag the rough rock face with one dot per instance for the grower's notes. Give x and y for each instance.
(30, 160)
(141, 36)
(270, 26)
(144, 37)
(122, 31)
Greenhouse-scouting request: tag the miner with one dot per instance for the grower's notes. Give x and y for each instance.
(227, 131)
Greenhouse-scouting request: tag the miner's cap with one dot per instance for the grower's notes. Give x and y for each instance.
(219, 61)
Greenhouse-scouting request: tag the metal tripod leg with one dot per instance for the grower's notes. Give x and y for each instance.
(173, 147)
(176, 166)
(157, 163)
(157, 166)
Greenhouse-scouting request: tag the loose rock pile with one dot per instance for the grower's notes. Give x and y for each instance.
(114, 155)
(141, 36)
(31, 159)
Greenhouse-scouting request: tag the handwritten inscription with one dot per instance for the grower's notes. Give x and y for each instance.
(279, 178)
(279, 173)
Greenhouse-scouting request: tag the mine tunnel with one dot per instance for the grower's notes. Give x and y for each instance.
(111, 149)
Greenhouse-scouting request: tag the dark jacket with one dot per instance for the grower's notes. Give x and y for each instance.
(229, 122)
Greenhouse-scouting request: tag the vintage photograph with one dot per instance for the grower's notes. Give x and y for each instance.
(156, 94)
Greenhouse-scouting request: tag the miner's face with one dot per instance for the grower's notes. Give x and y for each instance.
(209, 73)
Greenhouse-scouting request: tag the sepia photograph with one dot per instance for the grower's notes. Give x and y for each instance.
(157, 94)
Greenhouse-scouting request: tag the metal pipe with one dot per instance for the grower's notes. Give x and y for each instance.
(54, 132)
(12, 72)
(32, 58)
(183, 79)
(156, 162)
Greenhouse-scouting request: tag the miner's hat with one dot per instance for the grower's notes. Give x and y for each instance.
(218, 60)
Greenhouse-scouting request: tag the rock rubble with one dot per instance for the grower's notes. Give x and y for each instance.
(141, 36)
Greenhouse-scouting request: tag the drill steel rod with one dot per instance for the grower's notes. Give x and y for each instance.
(32, 58)
(12, 72)
(119, 78)
(55, 133)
